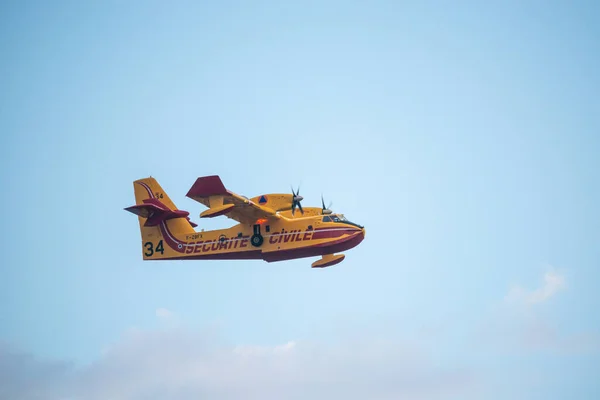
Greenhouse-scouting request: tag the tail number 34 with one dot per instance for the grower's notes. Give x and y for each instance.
(150, 249)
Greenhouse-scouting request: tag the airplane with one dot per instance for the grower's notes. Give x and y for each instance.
(268, 227)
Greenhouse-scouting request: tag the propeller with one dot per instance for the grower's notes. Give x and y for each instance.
(296, 201)
(326, 210)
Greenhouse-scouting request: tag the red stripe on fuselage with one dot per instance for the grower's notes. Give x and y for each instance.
(211, 248)
(315, 249)
(330, 233)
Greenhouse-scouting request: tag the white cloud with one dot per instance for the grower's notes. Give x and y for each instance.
(552, 284)
(525, 329)
(178, 364)
(162, 312)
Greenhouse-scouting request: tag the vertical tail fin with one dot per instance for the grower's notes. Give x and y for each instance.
(154, 207)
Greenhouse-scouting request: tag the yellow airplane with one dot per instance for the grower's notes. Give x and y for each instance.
(268, 226)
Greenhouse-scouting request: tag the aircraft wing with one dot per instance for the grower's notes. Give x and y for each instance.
(210, 191)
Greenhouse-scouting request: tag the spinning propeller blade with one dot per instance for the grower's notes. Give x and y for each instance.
(325, 210)
(296, 199)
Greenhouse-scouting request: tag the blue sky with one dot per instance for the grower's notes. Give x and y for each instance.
(464, 138)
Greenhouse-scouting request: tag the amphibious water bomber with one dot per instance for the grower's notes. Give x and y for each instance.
(268, 228)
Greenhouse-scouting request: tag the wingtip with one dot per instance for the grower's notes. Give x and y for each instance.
(207, 186)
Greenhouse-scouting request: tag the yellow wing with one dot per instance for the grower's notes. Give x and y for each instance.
(210, 191)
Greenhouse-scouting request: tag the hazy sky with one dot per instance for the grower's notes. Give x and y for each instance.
(465, 138)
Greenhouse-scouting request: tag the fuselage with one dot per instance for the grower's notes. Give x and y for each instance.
(276, 240)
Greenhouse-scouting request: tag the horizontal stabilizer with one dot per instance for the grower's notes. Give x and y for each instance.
(156, 212)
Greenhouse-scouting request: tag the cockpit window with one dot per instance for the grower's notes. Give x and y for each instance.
(341, 218)
(326, 219)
